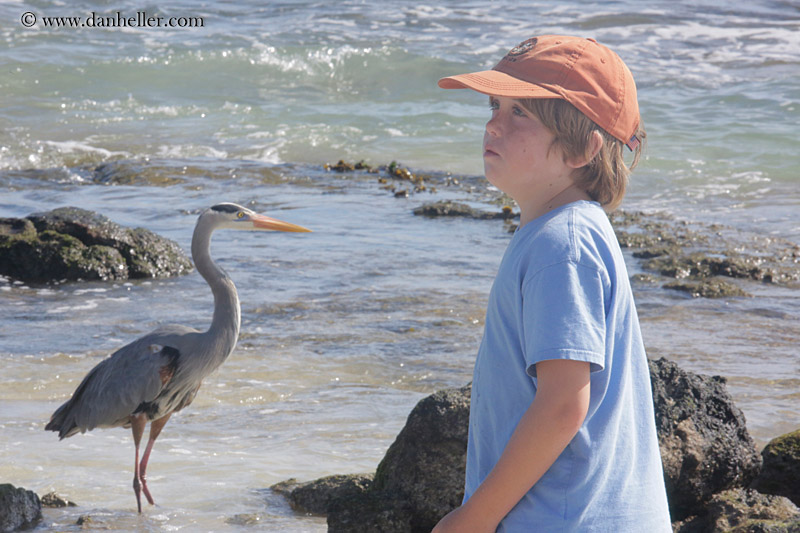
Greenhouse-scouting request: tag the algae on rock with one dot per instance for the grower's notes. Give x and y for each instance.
(71, 244)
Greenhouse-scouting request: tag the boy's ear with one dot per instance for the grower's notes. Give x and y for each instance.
(595, 144)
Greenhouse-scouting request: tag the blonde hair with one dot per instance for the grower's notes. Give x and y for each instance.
(605, 177)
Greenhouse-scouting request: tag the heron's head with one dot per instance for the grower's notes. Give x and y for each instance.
(232, 216)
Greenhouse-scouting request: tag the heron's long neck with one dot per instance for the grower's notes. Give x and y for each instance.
(224, 328)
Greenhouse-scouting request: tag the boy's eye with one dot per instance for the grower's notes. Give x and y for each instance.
(494, 105)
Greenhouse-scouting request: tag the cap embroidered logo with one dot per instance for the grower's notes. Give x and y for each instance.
(520, 49)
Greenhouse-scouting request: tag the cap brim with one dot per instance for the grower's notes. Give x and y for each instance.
(496, 83)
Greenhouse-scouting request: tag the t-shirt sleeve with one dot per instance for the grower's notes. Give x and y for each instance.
(564, 315)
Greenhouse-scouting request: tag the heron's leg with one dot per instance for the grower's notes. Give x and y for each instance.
(155, 430)
(137, 427)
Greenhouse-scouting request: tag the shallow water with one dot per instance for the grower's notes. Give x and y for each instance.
(346, 328)
(343, 331)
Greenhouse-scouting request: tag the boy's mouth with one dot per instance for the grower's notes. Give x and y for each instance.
(488, 152)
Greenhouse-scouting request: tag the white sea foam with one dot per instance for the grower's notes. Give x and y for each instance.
(94, 290)
(268, 154)
(336, 22)
(69, 147)
(88, 305)
(189, 151)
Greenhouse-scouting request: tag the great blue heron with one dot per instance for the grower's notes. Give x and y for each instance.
(160, 373)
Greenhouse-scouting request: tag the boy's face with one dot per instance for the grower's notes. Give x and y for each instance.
(518, 156)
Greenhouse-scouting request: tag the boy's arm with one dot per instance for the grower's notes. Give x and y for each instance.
(552, 420)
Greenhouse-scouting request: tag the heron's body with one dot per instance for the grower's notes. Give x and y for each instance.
(161, 372)
(158, 382)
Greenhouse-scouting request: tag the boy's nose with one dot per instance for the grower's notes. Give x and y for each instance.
(493, 126)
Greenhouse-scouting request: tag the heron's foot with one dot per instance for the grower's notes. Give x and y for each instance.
(137, 490)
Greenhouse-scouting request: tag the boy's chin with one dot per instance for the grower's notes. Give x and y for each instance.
(495, 179)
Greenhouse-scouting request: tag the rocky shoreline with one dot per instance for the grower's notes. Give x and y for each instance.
(716, 479)
(705, 261)
(702, 260)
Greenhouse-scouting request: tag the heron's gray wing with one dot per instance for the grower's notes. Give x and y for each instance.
(113, 389)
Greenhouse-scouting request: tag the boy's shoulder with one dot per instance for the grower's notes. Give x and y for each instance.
(578, 232)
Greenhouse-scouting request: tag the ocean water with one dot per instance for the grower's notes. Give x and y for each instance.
(346, 328)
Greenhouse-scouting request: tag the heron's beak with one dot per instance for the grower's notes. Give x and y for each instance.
(264, 222)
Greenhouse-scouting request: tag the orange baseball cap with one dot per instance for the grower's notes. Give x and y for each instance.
(581, 71)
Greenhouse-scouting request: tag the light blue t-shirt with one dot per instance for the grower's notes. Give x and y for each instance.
(562, 292)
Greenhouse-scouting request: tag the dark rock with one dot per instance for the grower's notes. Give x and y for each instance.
(744, 511)
(19, 508)
(420, 478)
(343, 166)
(372, 512)
(98, 521)
(138, 172)
(285, 488)
(71, 243)
(17, 227)
(446, 208)
(655, 231)
(641, 240)
(391, 174)
(699, 255)
(86, 226)
(396, 171)
(707, 288)
(316, 497)
(49, 256)
(781, 472)
(701, 265)
(152, 256)
(244, 519)
(644, 278)
(741, 266)
(680, 266)
(424, 467)
(654, 251)
(349, 503)
(54, 501)
(705, 446)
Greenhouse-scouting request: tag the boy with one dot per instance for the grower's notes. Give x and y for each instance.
(562, 434)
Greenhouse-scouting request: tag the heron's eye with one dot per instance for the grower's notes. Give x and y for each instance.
(240, 214)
